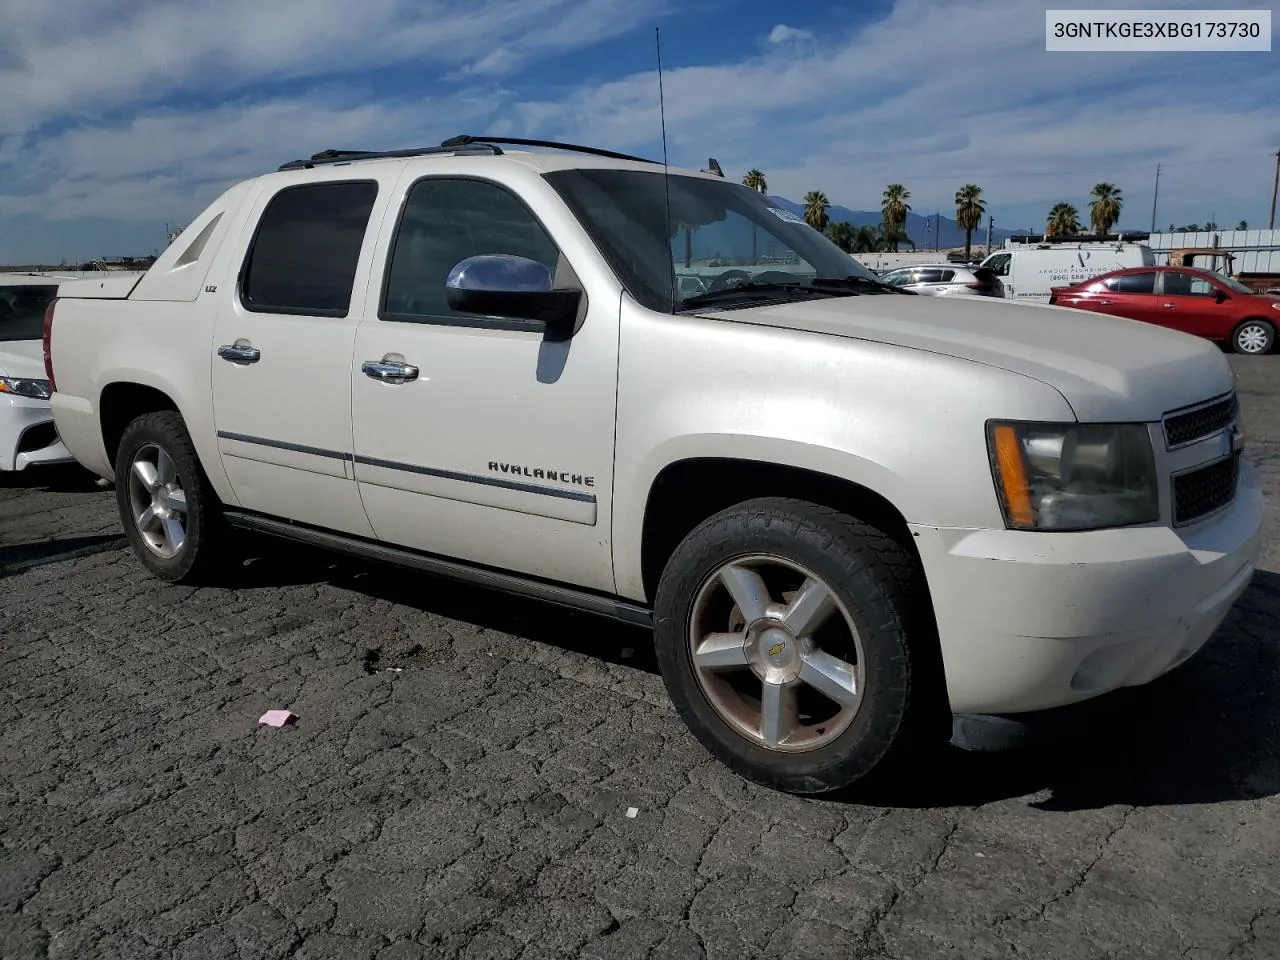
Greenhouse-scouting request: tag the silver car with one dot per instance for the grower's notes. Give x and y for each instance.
(946, 279)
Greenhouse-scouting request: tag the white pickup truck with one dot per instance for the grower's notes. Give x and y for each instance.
(847, 512)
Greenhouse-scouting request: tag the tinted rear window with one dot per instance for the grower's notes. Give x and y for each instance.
(22, 311)
(303, 259)
(933, 275)
(984, 275)
(1132, 283)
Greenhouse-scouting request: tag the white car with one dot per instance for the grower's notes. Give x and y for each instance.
(847, 513)
(946, 280)
(28, 436)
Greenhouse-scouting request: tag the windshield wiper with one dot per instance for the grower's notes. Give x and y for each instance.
(702, 299)
(864, 282)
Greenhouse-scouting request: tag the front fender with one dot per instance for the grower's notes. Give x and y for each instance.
(631, 501)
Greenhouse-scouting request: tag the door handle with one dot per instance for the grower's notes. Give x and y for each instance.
(1105, 303)
(389, 371)
(1170, 306)
(240, 352)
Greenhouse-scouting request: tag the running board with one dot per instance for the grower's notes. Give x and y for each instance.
(534, 589)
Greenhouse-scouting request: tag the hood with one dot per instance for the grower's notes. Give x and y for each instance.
(1107, 368)
(22, 359)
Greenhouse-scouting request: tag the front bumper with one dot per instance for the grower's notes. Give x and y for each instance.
(27, 434)
(1030, 621)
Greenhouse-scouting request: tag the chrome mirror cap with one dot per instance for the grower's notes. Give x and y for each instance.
(500, 273)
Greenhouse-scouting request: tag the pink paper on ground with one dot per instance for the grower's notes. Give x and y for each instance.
(276, 718)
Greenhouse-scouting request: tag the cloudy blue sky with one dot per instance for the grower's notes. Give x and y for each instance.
(117, 116)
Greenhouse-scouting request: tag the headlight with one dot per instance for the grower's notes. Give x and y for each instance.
(1073, 476)
(35, 389)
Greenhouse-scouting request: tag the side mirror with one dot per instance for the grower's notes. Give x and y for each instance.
(1221, 296)
(517, 288)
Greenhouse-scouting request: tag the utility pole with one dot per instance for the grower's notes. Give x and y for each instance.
(1155, 198)
(990, 221)
(1274, 188)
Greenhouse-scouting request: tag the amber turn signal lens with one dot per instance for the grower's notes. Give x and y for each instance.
(1013, 477)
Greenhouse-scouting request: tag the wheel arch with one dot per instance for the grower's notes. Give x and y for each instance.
(687, 491)
(123, 401)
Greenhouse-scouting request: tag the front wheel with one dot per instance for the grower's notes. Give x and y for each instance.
(792, 642)
(170, 512)
(1254, 336)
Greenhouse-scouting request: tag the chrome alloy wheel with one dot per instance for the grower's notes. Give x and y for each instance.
(785, 673)
(1252, 338)
(159, 504)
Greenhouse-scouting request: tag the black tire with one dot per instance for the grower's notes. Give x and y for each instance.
(1257, 331)
(881, 588)
(207, 533)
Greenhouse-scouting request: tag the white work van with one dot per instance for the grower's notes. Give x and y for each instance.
(1028, 272)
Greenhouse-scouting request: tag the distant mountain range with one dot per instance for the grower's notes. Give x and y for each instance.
(919, 229)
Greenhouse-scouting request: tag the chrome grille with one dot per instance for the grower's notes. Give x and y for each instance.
(1201, 492)
(1203, 421)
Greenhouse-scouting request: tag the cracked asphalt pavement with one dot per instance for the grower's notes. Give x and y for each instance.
(458, 781)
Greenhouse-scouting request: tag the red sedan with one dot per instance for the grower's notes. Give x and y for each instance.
(1194, 301)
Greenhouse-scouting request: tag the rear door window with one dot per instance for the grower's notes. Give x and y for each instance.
(1132, 283)
(303, 258)
(933, 275)
(22, 310)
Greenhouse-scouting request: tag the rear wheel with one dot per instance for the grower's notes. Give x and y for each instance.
(1254, 336)
(170, 512)
(790, 640)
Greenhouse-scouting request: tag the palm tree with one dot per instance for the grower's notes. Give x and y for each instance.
(866, 240)
(842, 235)
(1104, 209)
(755, 180)
(894, 208)
(969, 210)
(1242, 225)
(1063, 219)
(890, 237)
(816, 206)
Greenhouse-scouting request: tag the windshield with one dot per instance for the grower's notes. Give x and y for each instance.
(22, 311)
(725, 236)
(1233, 284)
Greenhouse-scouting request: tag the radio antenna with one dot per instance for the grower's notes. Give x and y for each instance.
(666, 175)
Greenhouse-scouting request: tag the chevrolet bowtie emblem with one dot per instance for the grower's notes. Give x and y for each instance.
(776, 649)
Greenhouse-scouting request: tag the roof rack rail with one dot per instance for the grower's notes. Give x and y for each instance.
(463, 144)
(466, 139)
(1079, 238)
(347, 156)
